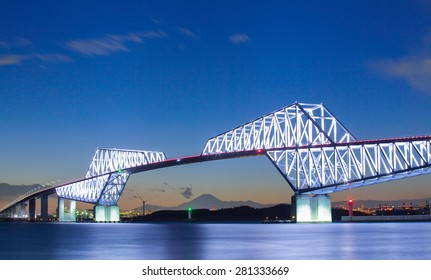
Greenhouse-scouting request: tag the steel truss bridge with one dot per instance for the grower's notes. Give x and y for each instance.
(310, 148)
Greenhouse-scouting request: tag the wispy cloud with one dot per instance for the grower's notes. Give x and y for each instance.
(13, 59)
(187, 32)
(414, 69)
(20, 42)
(102, 46)
(110, 44)
(17, 59)
(159, 22)
(51, 57)
(152, 35)
(239, 38)
(187, 192)
(157, 189)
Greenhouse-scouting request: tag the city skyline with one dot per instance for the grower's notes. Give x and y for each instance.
(166, 76)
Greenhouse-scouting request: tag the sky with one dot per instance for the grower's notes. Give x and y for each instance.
(168, 75)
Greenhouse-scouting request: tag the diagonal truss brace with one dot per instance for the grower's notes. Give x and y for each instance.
(335, 167)
(113, 188)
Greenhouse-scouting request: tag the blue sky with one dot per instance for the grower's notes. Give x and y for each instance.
(168, 75)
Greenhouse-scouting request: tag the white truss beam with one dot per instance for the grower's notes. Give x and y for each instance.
(110, 160)
(316, 154)
(106, 177)
(87, 190)
(295, 125)
(330, 168)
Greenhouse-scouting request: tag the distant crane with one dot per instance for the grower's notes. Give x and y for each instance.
(137, 195)
(143, 204)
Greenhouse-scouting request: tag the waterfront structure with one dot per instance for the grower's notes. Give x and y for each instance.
(310, 148)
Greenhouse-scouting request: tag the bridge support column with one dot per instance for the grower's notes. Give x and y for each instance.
(44, 207)
(106, 213)
(32, 209)
(10, 213)
(62, 215)
(309, 209)
(23, 210)
(72, 211)
(16, 211)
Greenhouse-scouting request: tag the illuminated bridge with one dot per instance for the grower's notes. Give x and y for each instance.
(310, 148)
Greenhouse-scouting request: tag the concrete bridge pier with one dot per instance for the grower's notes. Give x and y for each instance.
(16, 210)
(22, 210)
(44, 207)
(104, 213)
(32, 209)
(66, 216)
(310, 209)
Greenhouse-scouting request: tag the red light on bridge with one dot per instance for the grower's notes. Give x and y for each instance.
(350, 204)
(259, 151)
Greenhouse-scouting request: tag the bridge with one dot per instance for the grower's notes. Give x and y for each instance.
(311, 149)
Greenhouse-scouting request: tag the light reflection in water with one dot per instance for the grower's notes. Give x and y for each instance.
(183, 241)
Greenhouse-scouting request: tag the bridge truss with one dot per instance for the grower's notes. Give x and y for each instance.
(316, 154)
(107, 175)
(312, 150)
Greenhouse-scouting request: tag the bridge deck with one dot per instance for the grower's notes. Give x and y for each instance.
(228, 155)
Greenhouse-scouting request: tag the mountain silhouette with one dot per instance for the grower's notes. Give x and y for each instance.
(207, 201)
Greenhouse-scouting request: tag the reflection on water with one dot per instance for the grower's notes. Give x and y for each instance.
(365, 241)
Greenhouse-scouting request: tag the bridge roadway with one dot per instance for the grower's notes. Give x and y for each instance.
(132, 170)
(229, 155)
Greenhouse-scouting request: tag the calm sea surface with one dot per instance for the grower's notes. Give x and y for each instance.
(217, 241)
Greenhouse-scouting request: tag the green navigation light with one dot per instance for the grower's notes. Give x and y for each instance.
(190, 209)
(119, 171)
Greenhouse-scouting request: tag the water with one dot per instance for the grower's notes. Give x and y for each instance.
(215, 241)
